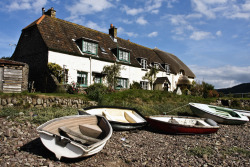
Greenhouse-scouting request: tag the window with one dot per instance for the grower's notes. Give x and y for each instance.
(89, 47)
(144, 85)
(144, 64)
(121, 83)
(156, 65)
(98, 79)
(124, 56)
(167, 68)
(82, 78)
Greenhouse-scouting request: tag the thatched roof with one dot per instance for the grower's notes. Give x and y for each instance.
(183, 80)
(60, 35)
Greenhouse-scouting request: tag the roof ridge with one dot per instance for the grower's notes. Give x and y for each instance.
(37, 21)
(99, 32)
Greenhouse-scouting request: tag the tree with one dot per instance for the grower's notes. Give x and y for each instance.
(56, 70)
(151, 76)
(112, 71)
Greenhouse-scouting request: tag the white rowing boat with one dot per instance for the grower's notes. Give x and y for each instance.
(218, 114)
(75, 136)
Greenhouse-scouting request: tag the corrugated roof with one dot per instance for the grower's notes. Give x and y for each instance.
(11, 62)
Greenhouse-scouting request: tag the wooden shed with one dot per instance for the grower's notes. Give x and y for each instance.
(13, 76)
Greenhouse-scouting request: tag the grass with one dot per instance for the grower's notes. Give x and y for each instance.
(237, 151)
(38, 94)
(146, 101)
(200, 151)
(36, 115)
(153, 102)
(231, 151)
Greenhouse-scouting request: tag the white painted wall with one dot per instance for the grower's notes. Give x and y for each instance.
(77, 63)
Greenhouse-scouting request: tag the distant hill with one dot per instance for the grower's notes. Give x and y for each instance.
(242, 88)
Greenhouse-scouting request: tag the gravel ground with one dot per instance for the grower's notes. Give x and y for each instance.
(20, 145)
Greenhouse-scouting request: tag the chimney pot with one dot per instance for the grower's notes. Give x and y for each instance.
(113, 31)
(43, 11)
(51, 12)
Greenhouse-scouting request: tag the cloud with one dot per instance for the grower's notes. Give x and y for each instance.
(222, 77)
(151, 6)
(85, 7)
(218, 33)
(129, 34)
(95, 26)
(26, 4)
(199, 35)
(153, 34)
(141, 21)
(132, 11)
(230, 9)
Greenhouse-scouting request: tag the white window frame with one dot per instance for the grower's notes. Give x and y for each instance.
(124, 55)
(144, 64)
(89, 47)
(144, 85)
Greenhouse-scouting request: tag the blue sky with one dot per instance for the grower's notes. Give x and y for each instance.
(211, 36)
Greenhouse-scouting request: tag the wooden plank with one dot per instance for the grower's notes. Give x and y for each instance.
(12, 87)
(9, 70)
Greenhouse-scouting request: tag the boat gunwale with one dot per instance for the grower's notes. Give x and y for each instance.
(117, 122)
(222, 116)
(182, 125)
(82, 146)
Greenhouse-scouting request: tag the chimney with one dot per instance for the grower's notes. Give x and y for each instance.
(113, 31)
(43, 11)
(51, 12)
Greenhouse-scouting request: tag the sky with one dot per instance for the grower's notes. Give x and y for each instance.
(212, 37)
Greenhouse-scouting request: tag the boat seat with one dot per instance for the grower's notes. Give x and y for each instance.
(131, 118)
(107, 115)
(173, 121)
(90, 130)
(64, 131)
(199, 123)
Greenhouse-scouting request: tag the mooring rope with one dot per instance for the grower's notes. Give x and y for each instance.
(175, 109)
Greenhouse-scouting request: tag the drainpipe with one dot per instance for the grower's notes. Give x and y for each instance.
(90, 70)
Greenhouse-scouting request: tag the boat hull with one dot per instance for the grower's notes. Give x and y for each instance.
(117, 125)
(172, 128)
(218, 118)
(62, 146)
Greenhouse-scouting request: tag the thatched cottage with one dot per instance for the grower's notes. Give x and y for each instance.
(84, 52)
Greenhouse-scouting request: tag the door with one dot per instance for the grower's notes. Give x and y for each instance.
(1, 79)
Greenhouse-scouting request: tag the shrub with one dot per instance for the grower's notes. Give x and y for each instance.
(55, 69)
(96, 91)
(73, 88)
(135, 85)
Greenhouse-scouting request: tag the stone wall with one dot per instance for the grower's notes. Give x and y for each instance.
(46, 101)
(233, 103)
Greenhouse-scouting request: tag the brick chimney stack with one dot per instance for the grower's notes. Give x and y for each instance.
(51, 12)
(113, 31)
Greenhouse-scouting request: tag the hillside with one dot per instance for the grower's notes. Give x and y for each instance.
(242, 88)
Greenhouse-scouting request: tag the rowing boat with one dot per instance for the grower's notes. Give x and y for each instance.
(120, 118)
(182, 125)
(218, 114)
(75, 136)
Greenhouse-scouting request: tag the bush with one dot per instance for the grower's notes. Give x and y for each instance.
(96, 91)
(73, 88)
(135, 85)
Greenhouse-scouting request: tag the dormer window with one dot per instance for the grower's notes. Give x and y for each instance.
(167, 68)
(156, 66)
(124, 55)
(144, 64)
(89, 47)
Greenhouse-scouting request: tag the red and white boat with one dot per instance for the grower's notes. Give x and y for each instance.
(182, 125)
